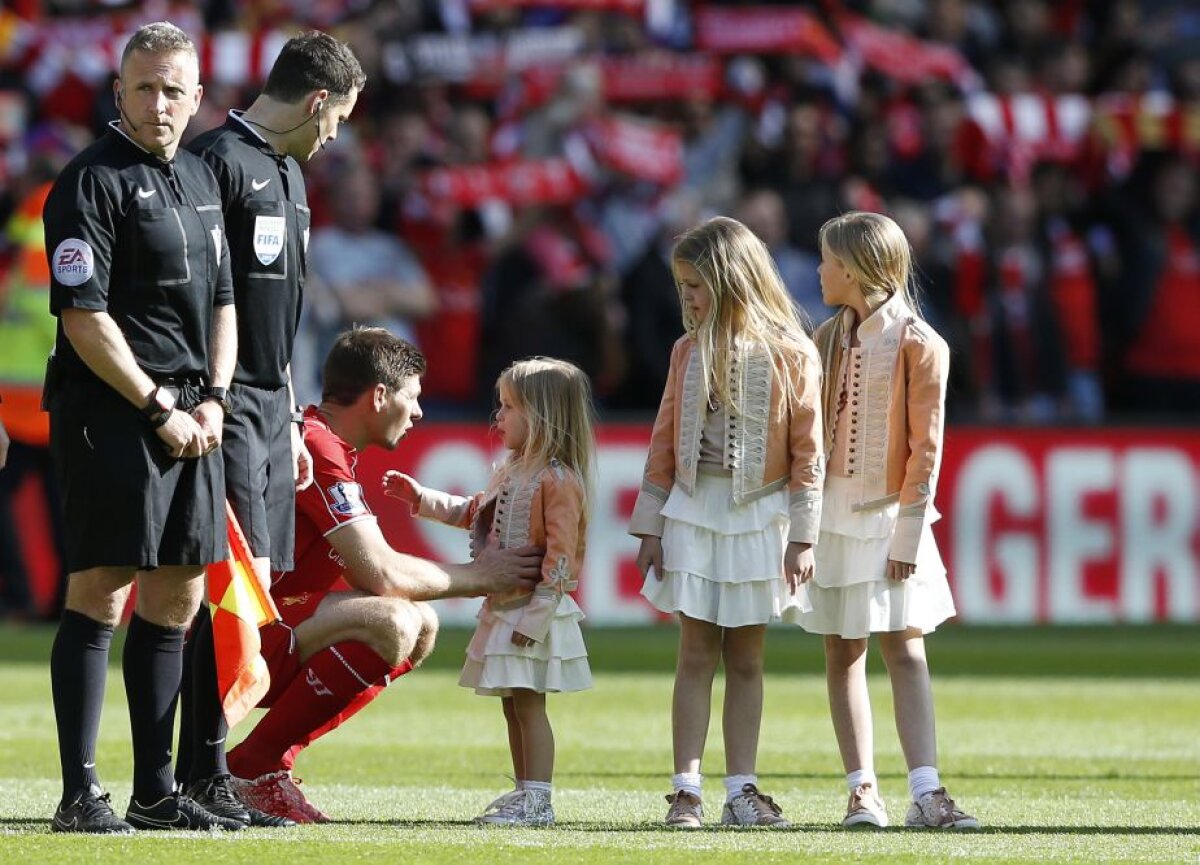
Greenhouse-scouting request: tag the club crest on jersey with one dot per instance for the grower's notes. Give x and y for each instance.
(73, 262)
(268, 238)
(347, 500)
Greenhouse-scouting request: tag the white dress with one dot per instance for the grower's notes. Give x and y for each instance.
(722, 562)
(850, 595)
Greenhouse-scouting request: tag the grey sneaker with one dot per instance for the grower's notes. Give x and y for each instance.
(519, 808)
(865, 809)
(686, 811)
(752, 808)
(937, 810)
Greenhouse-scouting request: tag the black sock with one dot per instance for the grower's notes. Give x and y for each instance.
(209, 729)
(187, 721)
(153, 664)
(78, 670)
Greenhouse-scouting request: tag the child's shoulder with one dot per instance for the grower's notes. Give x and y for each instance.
(555, 473)
(921, 333)
(682, 344)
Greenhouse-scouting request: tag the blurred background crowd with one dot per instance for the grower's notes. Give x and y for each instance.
(515, 171)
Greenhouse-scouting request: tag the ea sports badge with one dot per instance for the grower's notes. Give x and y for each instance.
(268, 238)
(74, 263)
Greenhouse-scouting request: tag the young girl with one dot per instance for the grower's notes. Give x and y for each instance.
(730, 500)
(877, 566)
(530, 644)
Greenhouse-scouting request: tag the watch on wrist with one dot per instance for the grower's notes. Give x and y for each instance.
(159, 407)
(219, 395)
(298, 418)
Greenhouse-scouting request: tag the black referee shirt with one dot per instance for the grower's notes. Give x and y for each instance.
(267, 216)
(143, 240)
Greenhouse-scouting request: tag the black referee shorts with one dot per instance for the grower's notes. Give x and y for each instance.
(126, 501)
(258, 471)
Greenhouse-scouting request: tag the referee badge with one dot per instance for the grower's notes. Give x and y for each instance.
(268, 238)
(74, 262)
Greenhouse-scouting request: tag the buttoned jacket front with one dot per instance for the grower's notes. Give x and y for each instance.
(766, 447)
(547, 510)
(896, 405)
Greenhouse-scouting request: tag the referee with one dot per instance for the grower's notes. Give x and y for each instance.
(147, 336)
(310, 91)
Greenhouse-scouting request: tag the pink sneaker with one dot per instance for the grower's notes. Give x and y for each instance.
(279, 793)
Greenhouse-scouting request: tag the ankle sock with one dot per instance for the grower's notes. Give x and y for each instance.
(735, 783)
(859, 777)
(923, 780)
(689, 781)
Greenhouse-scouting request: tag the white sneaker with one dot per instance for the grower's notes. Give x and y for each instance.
(522, 808)
(865, 809)
(499, 803)
(752, 808)
(937, 810)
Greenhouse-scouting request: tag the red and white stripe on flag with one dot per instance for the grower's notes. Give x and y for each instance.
(240, 606)
(764, 29)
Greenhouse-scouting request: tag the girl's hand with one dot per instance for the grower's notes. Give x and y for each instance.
(798, 565)
(398, 485)
(650, 556)
(899, 571)
(521, 640)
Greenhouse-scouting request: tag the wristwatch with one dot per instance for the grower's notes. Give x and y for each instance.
(219, 395)
(160, 406)
(298, 418)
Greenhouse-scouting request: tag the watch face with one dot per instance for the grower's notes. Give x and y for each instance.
(164, 399)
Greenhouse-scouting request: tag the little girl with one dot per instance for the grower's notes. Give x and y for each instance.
(529, 644)
(730, 500)
(877, 566)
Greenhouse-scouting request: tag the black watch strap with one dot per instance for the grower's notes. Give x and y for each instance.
(219, 395)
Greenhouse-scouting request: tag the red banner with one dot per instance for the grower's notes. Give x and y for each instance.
(631, 7)
(1056, 526)
(904, 57)
(639, 149)
(764, 30)
(549, 181)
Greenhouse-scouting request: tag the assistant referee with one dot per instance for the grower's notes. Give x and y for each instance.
(141, 284)
(311, 90)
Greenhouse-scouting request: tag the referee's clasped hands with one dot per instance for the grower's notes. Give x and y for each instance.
(189, 436)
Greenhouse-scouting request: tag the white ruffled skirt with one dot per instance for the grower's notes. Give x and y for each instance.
(495, 666)
(722, 562)
(850, 595)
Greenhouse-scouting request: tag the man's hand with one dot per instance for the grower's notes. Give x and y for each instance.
(899, 571)
(495, 570)
(798, 565)
(183, 436)
(211, 418)
(400, 486)
(302, 472)
(650, 556)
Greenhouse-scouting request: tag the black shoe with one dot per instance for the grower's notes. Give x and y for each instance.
(176, 811)
(90, 812)
(217, 795)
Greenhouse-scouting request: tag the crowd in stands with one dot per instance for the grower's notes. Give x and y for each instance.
(514, 173)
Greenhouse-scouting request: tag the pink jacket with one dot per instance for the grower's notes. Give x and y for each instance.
(899, 409)
(763, 451)
(545, 510)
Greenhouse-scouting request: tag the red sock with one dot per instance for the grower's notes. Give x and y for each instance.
(334, 685)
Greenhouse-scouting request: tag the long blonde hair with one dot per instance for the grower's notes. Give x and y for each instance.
(875, 251)
(749, 302)
(556, 398)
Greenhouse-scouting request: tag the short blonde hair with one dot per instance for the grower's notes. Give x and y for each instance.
(161, 37)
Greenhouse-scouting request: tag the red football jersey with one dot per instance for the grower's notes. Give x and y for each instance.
(334, 499)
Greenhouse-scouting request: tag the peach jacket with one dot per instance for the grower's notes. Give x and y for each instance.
(546, 510)
(900, 412)
(763, 450)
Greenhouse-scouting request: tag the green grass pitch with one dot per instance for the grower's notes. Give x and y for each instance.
(1071, 745)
